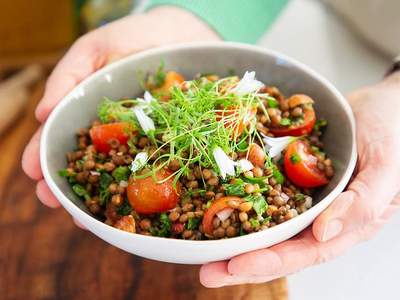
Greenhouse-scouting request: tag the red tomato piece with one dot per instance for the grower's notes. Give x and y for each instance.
(301, 166)
(148, 196)
(216, 207)
(297, 130)
(101, 135)
(171, 78)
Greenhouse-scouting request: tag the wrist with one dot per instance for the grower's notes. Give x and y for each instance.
(172, 24)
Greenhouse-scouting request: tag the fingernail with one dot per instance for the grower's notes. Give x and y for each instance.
(332, 229)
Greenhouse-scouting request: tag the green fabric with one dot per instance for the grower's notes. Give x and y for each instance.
(234, 20)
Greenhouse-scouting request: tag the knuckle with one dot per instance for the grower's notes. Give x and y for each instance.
(370, 213)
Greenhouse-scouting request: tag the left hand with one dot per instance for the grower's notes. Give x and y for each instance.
(356, 214)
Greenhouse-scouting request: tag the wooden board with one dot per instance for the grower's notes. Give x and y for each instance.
(43, 255)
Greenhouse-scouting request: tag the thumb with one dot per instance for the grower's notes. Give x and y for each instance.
(367, 197)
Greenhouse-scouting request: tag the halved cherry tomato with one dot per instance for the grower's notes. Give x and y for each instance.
(148, 196)
(297, 130)
(171, 78)
(301, 166)
(238, 126)
(102, 134)
(216, 207)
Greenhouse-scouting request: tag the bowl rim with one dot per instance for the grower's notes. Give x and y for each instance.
(70, 206)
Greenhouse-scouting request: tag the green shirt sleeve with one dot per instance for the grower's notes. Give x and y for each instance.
(234, 20)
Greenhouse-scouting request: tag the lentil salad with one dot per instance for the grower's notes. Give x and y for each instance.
(207, 158)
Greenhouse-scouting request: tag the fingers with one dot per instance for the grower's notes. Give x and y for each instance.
(30, 157)
(330, 223)
(216, 275)
(365, 201)
(85, 56)
(285, 258)
(45, 195)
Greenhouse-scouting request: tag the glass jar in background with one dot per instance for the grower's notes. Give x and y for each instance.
(95, 13)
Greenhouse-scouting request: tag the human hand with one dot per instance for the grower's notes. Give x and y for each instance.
(160, 26)
(356, 215)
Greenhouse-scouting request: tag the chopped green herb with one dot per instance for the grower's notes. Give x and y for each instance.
(159, 76)
(242, 146)
(295, 158)
(319, 124)
(298, 120)
(121, 173)
(81, 191)
(259, 180)
(299, 197)
(272, 103)
(259, 203)
(105, 181)
(241, 231)
(63, 173)
(318, 152)
(315, 149)
(193, 223)
(235, 189)
(254, 222)
(277, 175)
(266, 219)
(70, 177)
(79, 163)
(125, 209)
(208, 204)
(165, 226)
(285, 122)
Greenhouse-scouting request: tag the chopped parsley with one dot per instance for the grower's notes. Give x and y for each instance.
(242, 146)
(193, 223)
(272, 103)
(254, 222)
(319, 124)
(105, 181)
(259, 180)
(121, 173)
(63, 173)
(299, 197)
(164, 227)
(277, 175)
(81, 191)
(285, 122)
(125, 209)
(259, 203)
(295, 158)
(235, 189)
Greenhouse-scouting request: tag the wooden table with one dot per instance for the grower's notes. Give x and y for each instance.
(43, 255)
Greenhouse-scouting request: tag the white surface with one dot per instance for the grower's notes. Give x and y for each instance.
(314, 35)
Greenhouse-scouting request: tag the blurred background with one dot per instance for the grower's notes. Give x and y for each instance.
(43, 255)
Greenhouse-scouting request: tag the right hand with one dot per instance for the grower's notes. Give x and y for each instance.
(160, 26)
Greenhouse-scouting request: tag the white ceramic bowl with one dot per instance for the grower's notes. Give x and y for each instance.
(118, 80)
